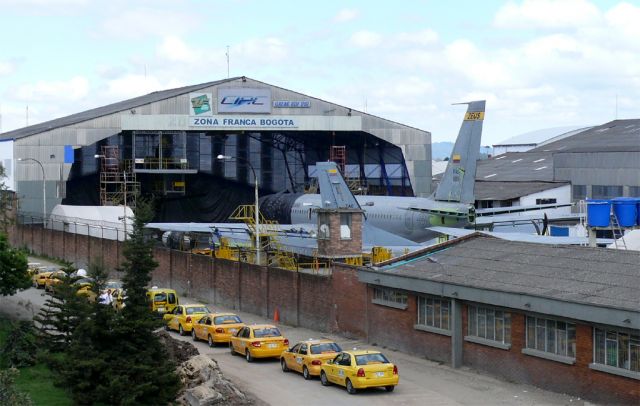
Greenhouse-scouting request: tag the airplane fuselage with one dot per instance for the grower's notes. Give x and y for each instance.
(408, 217)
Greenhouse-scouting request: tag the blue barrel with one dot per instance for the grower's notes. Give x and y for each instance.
(598, 213)
(626, 211)
(559, 231)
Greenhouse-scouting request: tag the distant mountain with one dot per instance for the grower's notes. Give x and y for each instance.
(442, 150)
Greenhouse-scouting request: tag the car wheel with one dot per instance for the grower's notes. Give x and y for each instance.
(390, 388)
(305, 373)
(211, 343)
(248, 356)
(323, 379)
(193, 334)
(350, 389)
(233, 352)
(284, 366)
(166, 327)
(181, 330)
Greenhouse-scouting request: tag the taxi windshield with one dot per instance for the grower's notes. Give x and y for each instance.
(325, 347)
(226, 319)
(192, 310)
(365, 359)
(160, 297)
(266, 332)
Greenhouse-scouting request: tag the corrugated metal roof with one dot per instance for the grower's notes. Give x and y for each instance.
(614, 136)
(486, 190)
(108, 109)
(594, 276)
(516, 167)
(538, 136)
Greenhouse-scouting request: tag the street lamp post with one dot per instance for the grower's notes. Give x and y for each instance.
(257, 202)
(44, 189)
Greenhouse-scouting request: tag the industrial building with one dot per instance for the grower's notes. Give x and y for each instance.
(598, 163)
(559, 317)
(166, 143)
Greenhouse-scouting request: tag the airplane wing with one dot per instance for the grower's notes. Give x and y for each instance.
(438, 212)
(519, 209)
(522, 237)
(526, 219)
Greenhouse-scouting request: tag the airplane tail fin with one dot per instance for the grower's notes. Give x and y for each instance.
(334, 192)
(459, 178)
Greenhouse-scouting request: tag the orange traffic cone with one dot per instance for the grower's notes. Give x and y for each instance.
(276, 316)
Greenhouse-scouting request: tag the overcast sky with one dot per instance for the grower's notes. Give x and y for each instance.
(538, 63)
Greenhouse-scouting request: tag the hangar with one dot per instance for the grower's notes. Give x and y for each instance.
(166, 143)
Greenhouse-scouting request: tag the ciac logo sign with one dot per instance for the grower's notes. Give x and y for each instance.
(200, 104)
(244, 100)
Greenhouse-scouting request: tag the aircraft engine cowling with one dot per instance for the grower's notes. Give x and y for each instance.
(278, 206)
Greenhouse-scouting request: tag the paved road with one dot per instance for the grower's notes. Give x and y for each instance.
(421, 381)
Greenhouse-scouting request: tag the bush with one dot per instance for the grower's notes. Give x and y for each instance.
(19, 349)
(9, 394)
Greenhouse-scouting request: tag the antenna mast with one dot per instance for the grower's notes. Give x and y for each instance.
(228, 62)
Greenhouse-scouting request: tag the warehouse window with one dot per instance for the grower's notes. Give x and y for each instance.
(579, 192)
(389, 297)
(433, 314)
(551, 337)
(617, 350)
(489, 324)
(323, 228)
(546, 201)
(345, 226)
(605, 192)
(634, 191)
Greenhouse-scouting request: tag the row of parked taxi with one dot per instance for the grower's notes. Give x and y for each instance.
(357, 369)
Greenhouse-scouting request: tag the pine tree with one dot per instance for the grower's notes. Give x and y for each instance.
(114, 357)
(61, 314)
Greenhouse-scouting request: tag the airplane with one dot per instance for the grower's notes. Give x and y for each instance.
(410, 217)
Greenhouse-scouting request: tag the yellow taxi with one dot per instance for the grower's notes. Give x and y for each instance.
(162, 300)
(33, 268)
(40, 276)
(83, 286)
(360, 369)
(183, 317)
(308, 356)
(258, 341)
(216, 328)
(54, 278)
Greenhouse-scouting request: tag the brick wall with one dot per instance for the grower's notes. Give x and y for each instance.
(340, 303)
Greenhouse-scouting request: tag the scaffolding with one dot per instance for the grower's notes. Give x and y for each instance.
(118, 186)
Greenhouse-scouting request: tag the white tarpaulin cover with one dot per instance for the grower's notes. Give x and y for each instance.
(96, 221)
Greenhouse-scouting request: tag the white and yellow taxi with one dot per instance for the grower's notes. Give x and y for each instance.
(360, 369)
(216, 328)
(307, 356)
(183, 317)
(258, 341)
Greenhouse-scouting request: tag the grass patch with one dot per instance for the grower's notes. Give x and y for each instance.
(37, 380)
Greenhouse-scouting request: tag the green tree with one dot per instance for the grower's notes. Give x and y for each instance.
(13, 268)
(61, 314)
(7, 200)
(114, 357)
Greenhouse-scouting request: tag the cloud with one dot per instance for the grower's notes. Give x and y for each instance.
(420, 38)
(546, 14)
(175, 49)
(73, 89)
(346, 15)
(365, 39)
(7, 68)
(133, 85)
(142, 22)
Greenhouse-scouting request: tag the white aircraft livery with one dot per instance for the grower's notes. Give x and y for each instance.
(409, 217)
